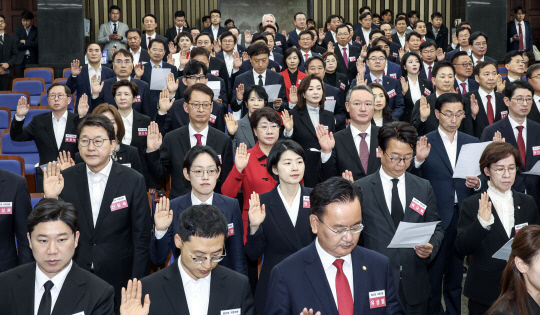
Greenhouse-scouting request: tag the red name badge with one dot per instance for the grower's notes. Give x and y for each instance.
(504, 114)
(71, 138)
(392, 93)
(219, 156)
(138, 99)
(212, 118)
(427, 92)
(325, 127)
(143, 132)
(214, 73)
(395, 55)
(418, 206)
(305, 202)
(119, 203)
(230, 229)
(278, 43)
(6, 208)
(520, 226)
(342, 86)
(329, 98)
(377, 153)
(393, 75)
(352, 59)
(377, 299)
(299, 81)
(536, 150)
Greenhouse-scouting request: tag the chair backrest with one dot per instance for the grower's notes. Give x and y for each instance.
(63, 80)
(66, 73)
(46, 74)
(34, 86)
(5, 118)
(13, 147)
(33, 112)
(44, 101)
(10, 99)
(12, 163)
(503, 70)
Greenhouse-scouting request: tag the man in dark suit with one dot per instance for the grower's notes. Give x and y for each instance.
(81, 76)
(52, 132)
(332, 22)
(347, 54)
(428, 53)
(179, 22)
(400, 196)
(438, 30)
(214, 29)
(272, 65)
(436, 156)
(391, 69)
(464, 79)
(363, 31)
(150, 25)
(140, 55)
(521, 132)
(216, 67)
(400, 37)
(515, 66)
(231, 58)
(280, 39)
(463, 34)
(322, 277)
(111, 199)
(299, 21)
(168, 157)
(478, 43)
(519, 32)
(533, 77)
(25, 37)
(15, 207)
(277, 57)
(420, 27)
(59, 286)
(259, 56)
(8, 55)
(237, 46)
(306, 41)
(355, 148)
(392, 49)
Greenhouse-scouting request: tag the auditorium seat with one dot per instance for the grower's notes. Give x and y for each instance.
(34, 86)
(503, 70)
(27, 150)
(5, 118)
(67, 73)
(10, 99)
(12, 163)
(46, 74)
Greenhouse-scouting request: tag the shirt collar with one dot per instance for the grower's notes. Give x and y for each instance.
(118, 79)
(153, 36)
(64, 116)
(187, 279)
(129, 117)
(445, 138)
(195, 201)
(327, 260)
(355, 132)
(58, 280)
(514, 123)
(105, 171)
(373, 77)
(203, 132)
(135, 53)
(214, 28)
(256, 75)
(314, 110)
(484, 94)
(387, 177)
(341, 47)
(153, 64)
(459, 82)
(96, 70)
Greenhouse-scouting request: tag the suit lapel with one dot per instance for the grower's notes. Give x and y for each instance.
(373, 147)
(217, 285)
(174, 288)
(378, 193)
(302, 221)
(360, 285)
(283, 220)
(482, 115)
(84, 75)
(316, 275)
(438, 147)
(23, 289)
(84, 196)
(71, 293)
(114, 182)
(410, 193)
(304, 118)
(348, 144)
(49, 129)
(245, 128)
(519, 214)
(499, 106)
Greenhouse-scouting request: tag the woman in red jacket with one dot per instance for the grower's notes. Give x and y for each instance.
(292, 59)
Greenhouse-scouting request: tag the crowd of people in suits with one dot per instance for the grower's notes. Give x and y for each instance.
(354, 130)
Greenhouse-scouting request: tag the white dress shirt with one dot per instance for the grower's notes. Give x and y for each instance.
(387, 185)
(256, 77)
(504, 205)
(153, 36)
(402, 39)
(356, 138)
(292, 210)
(373, 78)
(229, 62)
(416, 94)
(215, 31)
(96, 185)
(128, 127)
(426, 69)
(333, 36)
(59, 127)
(346, 49)
(536, 99)
(303, 53)
(483, 96)
(192, 132)
(92, 71)
(197, 291)
(330, 270)
(461, 86)
(476, 61)
(136, 55)
(523, 30)
(514, 124)
(366, 35)
(58, 282)
(179, 29)
(451, 151)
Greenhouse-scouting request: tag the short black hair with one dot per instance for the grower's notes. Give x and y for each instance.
(510, 55)
(130, 84)
(48, 210)
(459, 54)
(448, 98)
(133, 30)
(158, 41)
(511, 88)
(436, 14)
(203, 220)
(199, 51)
(411, 34)
(149, 15)
(88, 45)
(27, 15)
(342, 26)
(197, 150)
(375, 31)
(258, 48)
(481, 65)
(288, 52)
(216, 11)
(311, 59)
(362, 9)
(277, 151)
(400, 131)
(306, 32)
(259, 37)
(462, 28)
(183, 34)
(475, 35)
(204, 18)
(205, 34)
(364, 15)
(442, 64)
(518, 8)
(386, 11)
(413, 12)
(416, 23)
(531, 70)
(406, 57)
(269, 26)
(228, 28)
(400, 18)
(330, 17)
(114, 7)
(298, 13)
(227, 21)
(265, 34)
(179, 13)
(66, 88)
(124, 52)
(261, 92)
(96, 120)
(334, 189)
(375, 49)
(227, 34)
(401, 14)
(2, 16)
(376, 41)
(428, 43)
(193, 67)
(201, 87)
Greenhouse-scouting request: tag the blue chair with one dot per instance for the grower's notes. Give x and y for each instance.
(27, 150)
(67, 73)
(46, 74)
(44, 101)
(35, 201)
(524, 78)
(503, 70)
(5, 118)
(34, 86)
(10, 99)
(12, 163)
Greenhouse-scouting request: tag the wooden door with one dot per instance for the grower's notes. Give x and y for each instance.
(12, 10)
(532, 16)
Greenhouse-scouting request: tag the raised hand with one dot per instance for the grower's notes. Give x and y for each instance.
(287, 119)
(232, 124)
(406, 47)
(22, 107)
(97, 85)
(404, 85)
(131, 299)
(257, 213)
(164, 215)
(484, 207)
(456, 90)
(293, 95)
(500, 84)
(422, 149)
(305, 311)
(237, 62)
(216, 46)
(360, 79)
(154, 138)
(401, 53)
(440, 54)
(454, 39)
(425, 109)
(172, 48)
(172, 84)
(240, 92)
(363, 54)
(76, 67)
(248, 37)
(326, 139)
(170, 59)
(139, 70)
(183, 59)
(114, 50)
(322, 34)
(360, 65)
(241, 158)
(358, 40)
(83, 106)
(64, 160)
(245, 56)
(330, 46)
(497, 137)
(474, 106)
(164, 103)
(348, 176)
(53, 181)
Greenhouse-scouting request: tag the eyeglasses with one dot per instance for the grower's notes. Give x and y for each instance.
(428, 51)
(456, 115)
(500, 171)
(305, 39)
(2, 22)
(464, 36)
(265, 128)
(206, 42)
(396, 160)
(98, 142)
(520, 100)
(196, 77)
(536, 77)
(60, 96)
(357, 228)
(200, 260)
(480, 44)
(464, 65)
(377, 58)
(199, 105)
(200, 173)
(227, 42)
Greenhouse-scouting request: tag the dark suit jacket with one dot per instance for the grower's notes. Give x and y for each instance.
(281, 41)
(395, 39)
(248, 80)
(141, 105)
(277, 238)
(81, 292)
(442, 36)
(40, 129)
(301, 66)
(300, 281)
(512, 30)
(234, 245)
(218, 68)
(145, 47)
(393, 71)
(278, 58)
(247, 67)
(425, 89)
(481, 120)
(358, 33)
(379, 230)
(152, 110)
(340, 113)
(451, 53)
(81, 83)
(172, 33)
(483, 282)
(229, 290)
(531, 183)
(118, 244)
(293, 39)
(473, 85)
(30, 44)
(341, 82)
(141, 121)
(13, 189)
(176, 144)
(353, 55)
(534, 114)
(177, 117)
(208, 30)
(328, 38)
(391, 86)
(9, 52)
(345, 156)
(438, 171)
(145, 57)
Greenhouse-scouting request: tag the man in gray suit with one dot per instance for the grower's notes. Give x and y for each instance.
(109, 33)
(400, 196)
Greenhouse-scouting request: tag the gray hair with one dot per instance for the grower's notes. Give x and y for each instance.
(268, 14)
(356, 88)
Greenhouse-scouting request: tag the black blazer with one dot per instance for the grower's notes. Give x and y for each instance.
(142, 102)
(81, 83)
(177, 117)
(13, 189)
(247, 79)
(152, 110)
(118, 244)
(208, 30)
(30, 44)
(483, 282)
(222, 92)
(345, 156)
(328, 38)
(473, 85)
(426, 88)
(145, 47)
(304, 134)
(81, 292)
(172, 33)
(229, 290)
(40, 129)
(277, 238)
(353, 55)
(145, 57)
(127, 155)
(395, 39)
(9, 52)
(481, 120)
(534, 114)
(379, 230)
(442, 36)
(341, 82)
(175, 146)
(142, 122)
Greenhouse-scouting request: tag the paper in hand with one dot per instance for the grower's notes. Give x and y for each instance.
(468, 163)
(504, 252)
(409, 235)
(329, 105)
(272, 91)
(159, 78)
(535, 170)
(216, 87)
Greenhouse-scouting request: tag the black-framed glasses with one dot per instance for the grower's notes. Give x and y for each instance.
(200, 260)
(397, 160)
(357, 228)
(60, 96)
(196, 77)
(199, 105)
(450, 115)
(200, 173)
(98, 142)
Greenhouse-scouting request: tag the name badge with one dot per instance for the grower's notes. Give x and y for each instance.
(71, 138)
(212, 118)
(395, 54)
(143, 132)
(392, 93)
(427, 92)
(306, 203)
(230, 229)
(393, 75)
(352, 59)
(299, 81)
(520, 226)
(219, 156)
(504, 114)
(127, 164)
(119, 203)
(79, 313)
(377, 299)
(138, 99)
(329, 98)
(342, 86)
(325, 127)
(235, 311)
(214, 73)
(6, 208)
(377, 153)
(278, 43)
(418, 206)
(536, 150)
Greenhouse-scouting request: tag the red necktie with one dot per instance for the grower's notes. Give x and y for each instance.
(521, 144)
(464, 88)
(149, 40)
(198, 136)
(490, 115)
(423, 40)
(307, 56)
(343, 290)
(179, 31)
(430, 75)
(520, 37)
(377, 81)
(345, 57)
(364, 152)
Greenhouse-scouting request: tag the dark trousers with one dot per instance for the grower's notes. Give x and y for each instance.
(4, 82)
(22, 66)
(417, 309)
(446, 274)
(476, 308)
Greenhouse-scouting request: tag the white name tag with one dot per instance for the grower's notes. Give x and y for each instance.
(127, 164)
(503, 114)
(6, 208)
(520, 226)
(235, 311)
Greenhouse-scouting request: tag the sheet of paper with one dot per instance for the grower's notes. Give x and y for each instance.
(272, 91)
(215, 86)
(504, 252)
(409, 235)
(159, 78)
(329, 105)
(468, 163)
(535, 170)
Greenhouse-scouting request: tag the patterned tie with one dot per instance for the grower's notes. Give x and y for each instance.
(345, 57)
(520, 37)
(464, 88)
(46, 300)
(198, 136)
(429, 73)
(521, 144)
(343, 290)
(490, 115)
(114, 27)
(364, 152)
(397, 208)
(156, 66)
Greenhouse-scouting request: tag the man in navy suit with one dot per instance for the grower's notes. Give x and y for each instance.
(179, 22)
(332, 22)
(533, 77)
(436, 156)
(25, 37)
(363, 31)
(306, 41)
(347, 54)
(247, 65)
(463, 34)
(519, 32)
(150, 25)
(81, 76)
(478, 42)
(379, 39)
(274, 56)
(391, 69)
(514, 64)
(464, 78)
(428, 53)
(300, 25)
(215, 29)
(322, 276)
(8, 55)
